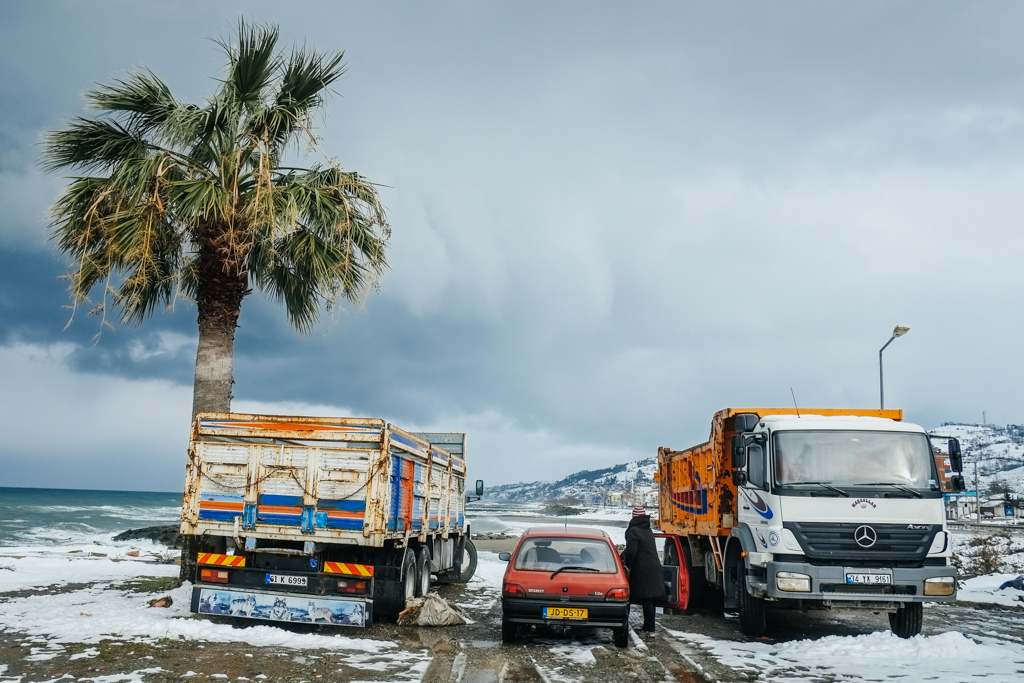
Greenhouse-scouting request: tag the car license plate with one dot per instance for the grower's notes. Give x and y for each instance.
(869, 579)
(286, 580)
(565, 613)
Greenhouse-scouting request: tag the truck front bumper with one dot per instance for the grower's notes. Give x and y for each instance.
(278, 606)
(833, 584)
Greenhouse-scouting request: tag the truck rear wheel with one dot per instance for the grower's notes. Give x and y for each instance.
(390, 596)
(468, 562)
(906, 622)
(751, 609)
(422, 572)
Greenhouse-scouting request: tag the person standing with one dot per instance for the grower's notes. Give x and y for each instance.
(646, 583)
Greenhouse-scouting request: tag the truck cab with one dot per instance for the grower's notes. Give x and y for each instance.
(836, 511)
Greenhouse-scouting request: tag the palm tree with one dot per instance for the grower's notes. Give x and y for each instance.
(180, 199)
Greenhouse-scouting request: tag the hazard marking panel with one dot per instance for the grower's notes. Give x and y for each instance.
(222, 560)
(348, 568)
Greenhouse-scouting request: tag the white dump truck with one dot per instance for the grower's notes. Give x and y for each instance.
(321, 520)
(809, 509)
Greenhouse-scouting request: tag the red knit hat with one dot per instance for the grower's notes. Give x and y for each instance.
(639, 511)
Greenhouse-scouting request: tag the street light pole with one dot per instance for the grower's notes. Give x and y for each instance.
(898, 332)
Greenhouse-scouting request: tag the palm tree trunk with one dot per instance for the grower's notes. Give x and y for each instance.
(219, 299)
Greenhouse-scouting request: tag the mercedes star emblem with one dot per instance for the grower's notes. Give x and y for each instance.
(865, 536)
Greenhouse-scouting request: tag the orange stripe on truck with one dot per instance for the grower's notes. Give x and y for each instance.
(348, 568)
(222, 560)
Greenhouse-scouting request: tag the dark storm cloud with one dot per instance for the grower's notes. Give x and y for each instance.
(609, 221)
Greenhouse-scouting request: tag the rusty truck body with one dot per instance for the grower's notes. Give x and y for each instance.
(321, 520)
(815, 508)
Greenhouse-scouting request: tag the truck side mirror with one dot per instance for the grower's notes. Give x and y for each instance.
(956, 460)
(745, 422)
(958, 483)
(739, 452)
(479, 487)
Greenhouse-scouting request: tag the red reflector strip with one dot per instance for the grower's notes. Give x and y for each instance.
(213, 575)
(222, 560)
(348, 568)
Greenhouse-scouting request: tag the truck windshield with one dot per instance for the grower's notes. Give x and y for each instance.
(901, 460)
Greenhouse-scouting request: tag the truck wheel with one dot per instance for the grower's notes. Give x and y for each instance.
(906, 621)
(468, 562)
(389, 596)
(422, 572)
(620, 636)
(752, 617)
(189, 557)
(508, 631)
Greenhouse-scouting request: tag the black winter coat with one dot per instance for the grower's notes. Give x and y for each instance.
(641, 559)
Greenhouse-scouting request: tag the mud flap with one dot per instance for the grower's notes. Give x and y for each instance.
(670, 575)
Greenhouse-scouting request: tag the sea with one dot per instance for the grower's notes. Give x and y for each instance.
(51, 517)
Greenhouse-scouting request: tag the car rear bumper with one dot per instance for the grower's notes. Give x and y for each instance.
(531, 611)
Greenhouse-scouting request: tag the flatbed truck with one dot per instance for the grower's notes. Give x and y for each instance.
(321, 520)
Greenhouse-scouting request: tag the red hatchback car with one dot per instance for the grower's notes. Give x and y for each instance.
(565, 576)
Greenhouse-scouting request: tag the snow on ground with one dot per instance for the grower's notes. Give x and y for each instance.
(20, 572)
(986, 589)
(877, 656)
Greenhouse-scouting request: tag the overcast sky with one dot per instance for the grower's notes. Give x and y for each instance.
(609, 220)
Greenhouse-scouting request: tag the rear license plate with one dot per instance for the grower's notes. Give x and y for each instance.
(286, 580)
(565, 613)
(869, 579)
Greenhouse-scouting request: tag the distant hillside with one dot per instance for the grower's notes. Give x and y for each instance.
(582, 485)
(999, 452)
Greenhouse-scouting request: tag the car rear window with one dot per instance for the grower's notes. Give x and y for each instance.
(549, 554)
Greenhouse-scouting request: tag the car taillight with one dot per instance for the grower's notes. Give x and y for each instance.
(513, 589)
(350, 586)
(617, 595)
(213, 575)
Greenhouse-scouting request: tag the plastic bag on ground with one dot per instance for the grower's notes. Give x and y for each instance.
(432, 610)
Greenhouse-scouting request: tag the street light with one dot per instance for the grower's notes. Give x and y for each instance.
(898, 332)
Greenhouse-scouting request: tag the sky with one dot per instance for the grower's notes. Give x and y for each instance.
(610, 220)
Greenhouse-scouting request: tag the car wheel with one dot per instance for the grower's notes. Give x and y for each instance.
(508, 631)
(752, 610)
(422, 572)
(620, 636)
(906, 622)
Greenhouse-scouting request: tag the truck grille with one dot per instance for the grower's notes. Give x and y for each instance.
(836, 541)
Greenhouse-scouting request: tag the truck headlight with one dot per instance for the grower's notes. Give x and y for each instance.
(793, 582)
(940, 585)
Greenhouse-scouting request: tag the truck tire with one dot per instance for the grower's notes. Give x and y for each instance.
(907, 620)
(751, 609)
(468, 563)
(696, 583)
(509, 631)
(189, 557)
(389, 596)
(422, 571)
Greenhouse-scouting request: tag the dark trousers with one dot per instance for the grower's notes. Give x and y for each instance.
(648, 606)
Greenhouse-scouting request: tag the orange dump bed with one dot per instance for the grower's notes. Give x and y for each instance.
(696, 493)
